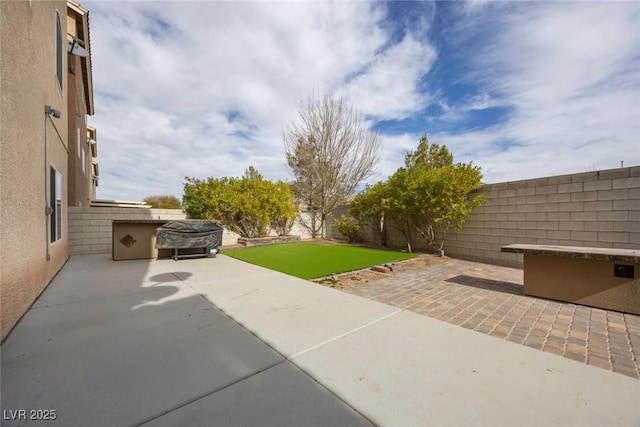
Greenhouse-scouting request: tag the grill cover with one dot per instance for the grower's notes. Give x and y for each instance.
(189, 233)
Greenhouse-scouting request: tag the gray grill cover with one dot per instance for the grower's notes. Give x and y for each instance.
(189, 233)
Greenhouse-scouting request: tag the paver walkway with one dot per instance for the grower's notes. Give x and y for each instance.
(489, 299)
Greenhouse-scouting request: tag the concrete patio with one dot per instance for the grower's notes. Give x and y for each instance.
(221, 342)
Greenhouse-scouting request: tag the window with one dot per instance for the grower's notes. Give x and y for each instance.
(56, 204)
(59, 51)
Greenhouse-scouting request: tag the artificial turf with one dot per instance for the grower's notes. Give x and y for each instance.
(308, 260)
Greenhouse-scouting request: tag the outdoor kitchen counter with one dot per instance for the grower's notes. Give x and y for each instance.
(601, 254)
(136, 239)
(597, 277)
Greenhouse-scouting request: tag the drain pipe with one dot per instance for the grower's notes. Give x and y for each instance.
(48, 210)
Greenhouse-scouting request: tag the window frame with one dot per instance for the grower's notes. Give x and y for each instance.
(55, 202)
(59, 51)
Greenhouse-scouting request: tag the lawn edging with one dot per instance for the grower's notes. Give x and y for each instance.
(249, 242)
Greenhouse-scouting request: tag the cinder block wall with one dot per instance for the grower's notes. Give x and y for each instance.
(90, 227)
(231, 238)
(332, 230)
(598, 209)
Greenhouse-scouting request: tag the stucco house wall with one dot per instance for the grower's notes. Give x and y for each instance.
(79, 152)
(28, 82)
(79, 105)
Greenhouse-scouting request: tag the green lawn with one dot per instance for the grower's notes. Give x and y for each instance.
(309, 260)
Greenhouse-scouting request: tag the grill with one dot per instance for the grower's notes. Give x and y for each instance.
(190, 235)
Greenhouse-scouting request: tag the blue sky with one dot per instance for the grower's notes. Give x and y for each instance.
(205, 88)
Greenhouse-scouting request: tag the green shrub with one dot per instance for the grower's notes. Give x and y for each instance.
(163, 202)
(349, 227)
(249, 206)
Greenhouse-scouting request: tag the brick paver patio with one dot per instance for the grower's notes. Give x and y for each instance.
(489, 299)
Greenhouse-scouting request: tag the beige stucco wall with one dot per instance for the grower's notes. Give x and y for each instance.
(27, 84)
(80, 187)
(582, 281)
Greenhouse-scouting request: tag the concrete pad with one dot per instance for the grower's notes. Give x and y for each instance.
(290, 314)
(125, 359)
(123, 343)
(280, 396)
(99, 277)
(410, 370)
(206, 270)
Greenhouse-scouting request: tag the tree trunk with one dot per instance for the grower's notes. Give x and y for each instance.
(383, 232)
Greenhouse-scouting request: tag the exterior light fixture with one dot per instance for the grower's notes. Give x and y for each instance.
(91, 141)
(76, 47)
(52, 112)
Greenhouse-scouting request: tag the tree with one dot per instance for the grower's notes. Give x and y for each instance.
(369, 208)
(400, 205)
(329, 151)
(349, 227)
(443, 200)
(428, 156)
(431, 194)
(249, 206)
(305, 187)
(283, 210)
(163, 202)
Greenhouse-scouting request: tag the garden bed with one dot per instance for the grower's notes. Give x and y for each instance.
(270, 240)
(355, 278)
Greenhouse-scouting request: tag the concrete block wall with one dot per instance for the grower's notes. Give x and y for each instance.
(332, 230)
(597, 209)
(298, 229)
(231, 238)
(90, 227)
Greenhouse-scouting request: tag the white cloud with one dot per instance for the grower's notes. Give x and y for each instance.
(387, 88)
(570, 72)
(460, 112)
(205, 88)
(393, 151)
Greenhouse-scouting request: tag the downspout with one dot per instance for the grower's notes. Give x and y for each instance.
(47, 208)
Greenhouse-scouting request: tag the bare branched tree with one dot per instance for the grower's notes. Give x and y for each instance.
(330, 151)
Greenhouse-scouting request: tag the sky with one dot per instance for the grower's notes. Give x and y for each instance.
(207, 88)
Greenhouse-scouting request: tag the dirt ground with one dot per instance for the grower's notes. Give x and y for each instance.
(355, 278)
